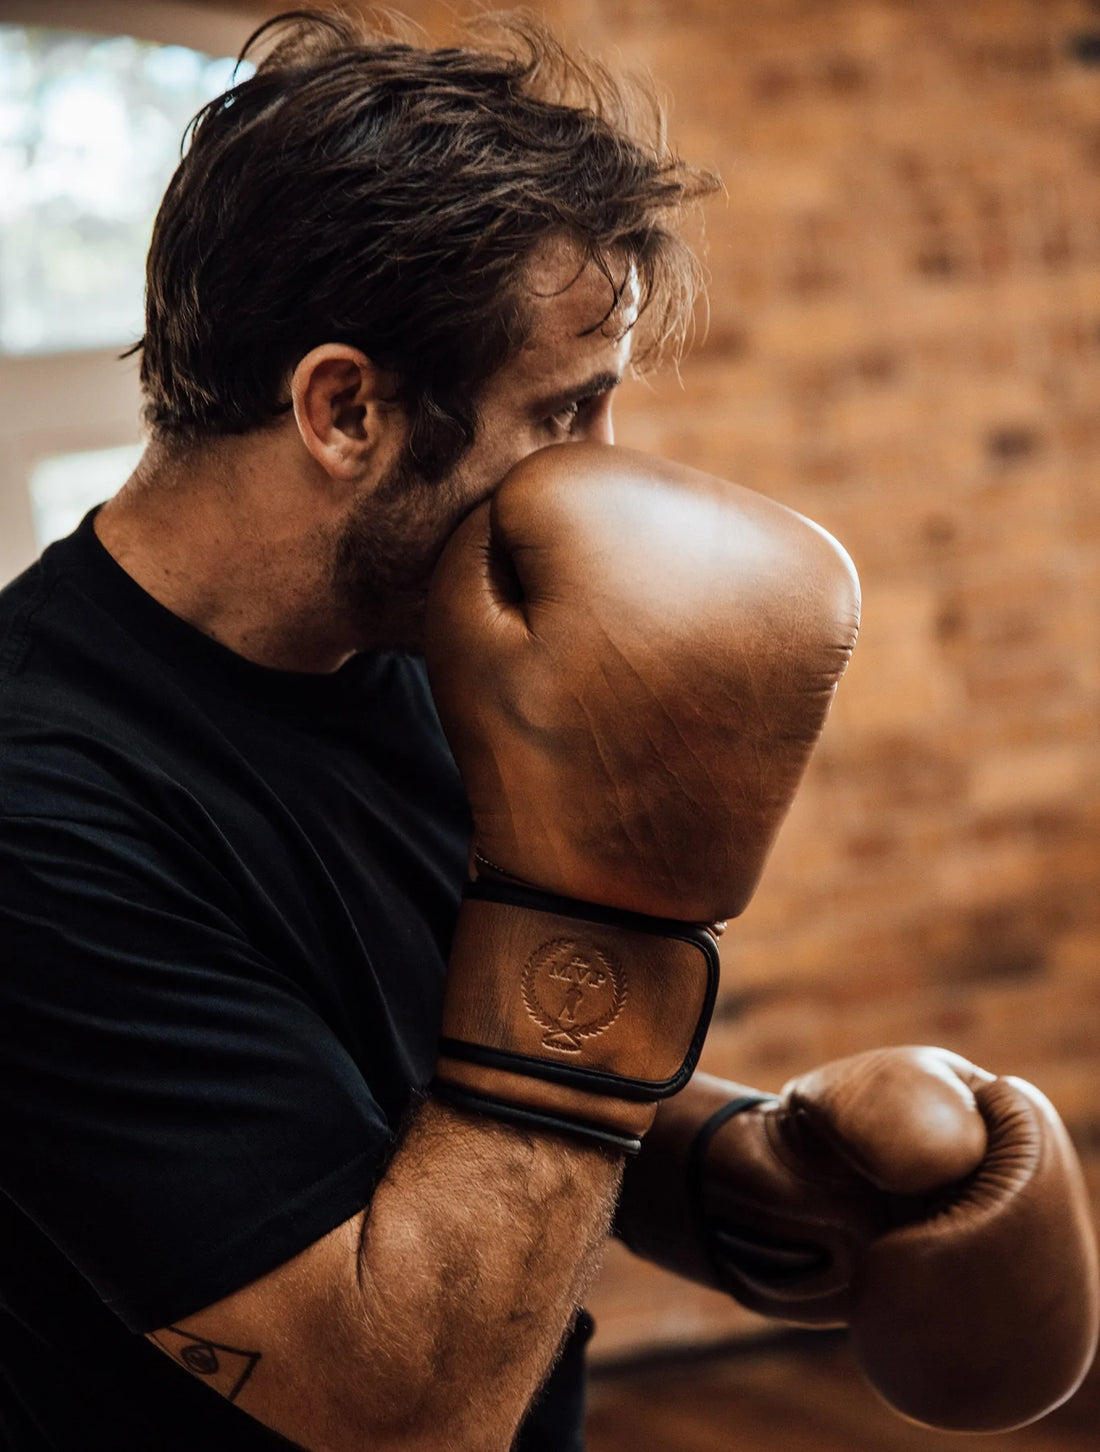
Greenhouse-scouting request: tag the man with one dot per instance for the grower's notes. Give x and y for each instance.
(233, 835)
(234, 839)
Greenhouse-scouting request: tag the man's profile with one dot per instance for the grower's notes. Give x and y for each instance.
(233, 837)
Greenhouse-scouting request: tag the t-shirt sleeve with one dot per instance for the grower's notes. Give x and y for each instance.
(176, 1115)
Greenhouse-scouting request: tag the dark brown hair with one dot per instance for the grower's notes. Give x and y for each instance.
(364, 190)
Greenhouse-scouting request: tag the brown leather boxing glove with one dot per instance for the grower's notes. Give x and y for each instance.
(632, 662)
(937, 1210)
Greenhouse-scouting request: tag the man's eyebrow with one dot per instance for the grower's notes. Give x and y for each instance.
(580, 392)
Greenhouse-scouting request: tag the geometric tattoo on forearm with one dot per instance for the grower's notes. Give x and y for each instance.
(227, 1368)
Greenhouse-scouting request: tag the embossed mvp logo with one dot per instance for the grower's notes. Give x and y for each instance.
(573, 991)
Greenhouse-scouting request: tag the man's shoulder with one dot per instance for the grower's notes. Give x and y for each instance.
(46, 617)
(56, 760)
(21, 603)
(57, 735)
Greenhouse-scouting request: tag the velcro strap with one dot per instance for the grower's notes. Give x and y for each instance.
(719, 1241)
(594, 1003)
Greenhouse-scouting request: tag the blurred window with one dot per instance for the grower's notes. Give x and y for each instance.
(90, 130)
(90, 133)
(64, 487)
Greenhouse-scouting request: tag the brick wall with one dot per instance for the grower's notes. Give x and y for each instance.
(904, 344)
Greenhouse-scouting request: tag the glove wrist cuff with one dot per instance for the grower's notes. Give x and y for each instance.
(574, 1011)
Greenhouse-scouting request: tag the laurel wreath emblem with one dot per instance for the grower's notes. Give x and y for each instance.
(573, 992)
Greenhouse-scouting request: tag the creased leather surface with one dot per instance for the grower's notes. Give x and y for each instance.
(632, 662)
(936, 1209)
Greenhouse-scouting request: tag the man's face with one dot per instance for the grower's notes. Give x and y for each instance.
(557, 390)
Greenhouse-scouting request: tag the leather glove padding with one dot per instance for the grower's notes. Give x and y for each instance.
(937, 1210)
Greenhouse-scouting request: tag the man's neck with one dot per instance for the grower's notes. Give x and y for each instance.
(221, 538)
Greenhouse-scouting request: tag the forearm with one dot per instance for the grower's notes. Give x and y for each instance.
(426, 1322)
(478, 1246)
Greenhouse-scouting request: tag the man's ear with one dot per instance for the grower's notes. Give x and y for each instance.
(345, 412)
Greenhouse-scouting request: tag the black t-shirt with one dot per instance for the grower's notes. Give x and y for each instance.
(226, 899)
